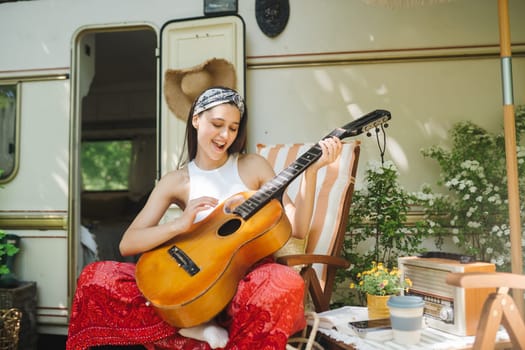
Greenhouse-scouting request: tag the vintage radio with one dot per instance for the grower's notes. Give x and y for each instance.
(447, 308)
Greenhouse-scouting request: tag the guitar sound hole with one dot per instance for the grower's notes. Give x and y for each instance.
(229, 227)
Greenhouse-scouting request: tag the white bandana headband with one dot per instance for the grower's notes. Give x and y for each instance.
(216, 96)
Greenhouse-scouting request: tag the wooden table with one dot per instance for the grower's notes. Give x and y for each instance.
(329, 343)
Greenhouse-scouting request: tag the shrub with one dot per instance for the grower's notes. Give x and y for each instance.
(473, 171)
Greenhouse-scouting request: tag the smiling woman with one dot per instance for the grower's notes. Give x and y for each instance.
(251, 283)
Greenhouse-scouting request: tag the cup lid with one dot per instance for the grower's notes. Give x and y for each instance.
(405, 301)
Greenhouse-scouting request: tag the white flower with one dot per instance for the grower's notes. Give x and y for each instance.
(455, 239)
(474, 224)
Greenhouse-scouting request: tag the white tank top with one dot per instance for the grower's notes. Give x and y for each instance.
(220, 183)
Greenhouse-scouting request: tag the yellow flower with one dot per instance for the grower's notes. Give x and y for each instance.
(379, 280)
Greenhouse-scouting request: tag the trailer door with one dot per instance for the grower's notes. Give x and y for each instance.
(185, 44)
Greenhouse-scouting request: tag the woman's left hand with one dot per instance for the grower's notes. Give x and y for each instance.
(331, 150)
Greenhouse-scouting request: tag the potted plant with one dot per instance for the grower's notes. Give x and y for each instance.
(9, 247)
(379, 230)
(15, 294)
(378, 284)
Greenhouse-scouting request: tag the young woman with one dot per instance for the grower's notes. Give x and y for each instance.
(268, 305)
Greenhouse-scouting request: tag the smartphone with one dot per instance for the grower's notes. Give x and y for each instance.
(370, 325)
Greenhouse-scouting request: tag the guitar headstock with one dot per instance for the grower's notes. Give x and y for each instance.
(367, 122)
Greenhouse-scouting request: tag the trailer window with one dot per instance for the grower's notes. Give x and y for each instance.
(106, 165)
(8, 131)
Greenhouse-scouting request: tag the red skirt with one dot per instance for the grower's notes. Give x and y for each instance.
(108, 309)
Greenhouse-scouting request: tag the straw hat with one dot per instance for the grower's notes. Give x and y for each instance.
(182, 86)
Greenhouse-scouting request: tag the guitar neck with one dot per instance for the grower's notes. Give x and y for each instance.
(275, 187)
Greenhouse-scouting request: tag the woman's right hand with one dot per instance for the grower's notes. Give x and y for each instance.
(193, 208)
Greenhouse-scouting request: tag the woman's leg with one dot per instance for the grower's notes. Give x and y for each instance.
(108, 309)
(267, 308)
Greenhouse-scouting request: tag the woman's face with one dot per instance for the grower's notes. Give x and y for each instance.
(217, 129)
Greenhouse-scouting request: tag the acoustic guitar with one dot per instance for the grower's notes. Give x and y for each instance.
(192, 277)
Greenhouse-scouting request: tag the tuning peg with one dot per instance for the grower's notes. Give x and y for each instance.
(368, 133)
(385, 125)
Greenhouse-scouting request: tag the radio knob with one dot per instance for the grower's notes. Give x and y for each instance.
(446, 314)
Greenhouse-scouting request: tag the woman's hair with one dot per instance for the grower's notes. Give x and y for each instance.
(190, 139)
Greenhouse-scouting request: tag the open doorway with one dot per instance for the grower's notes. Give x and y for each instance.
(118, 128)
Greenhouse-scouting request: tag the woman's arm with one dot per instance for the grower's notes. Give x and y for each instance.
(145, 233)
(300, 212)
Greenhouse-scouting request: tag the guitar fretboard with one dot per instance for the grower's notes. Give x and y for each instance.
(275, 187)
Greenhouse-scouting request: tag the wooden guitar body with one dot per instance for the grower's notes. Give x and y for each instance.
(192, 277)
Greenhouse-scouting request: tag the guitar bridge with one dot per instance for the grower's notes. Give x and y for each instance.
(184, 260)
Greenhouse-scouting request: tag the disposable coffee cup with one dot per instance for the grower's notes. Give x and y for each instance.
(406, 317)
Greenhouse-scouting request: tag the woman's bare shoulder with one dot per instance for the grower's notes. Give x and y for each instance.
(178, 176)
(254, 161)
(175, 183)
(255, 170)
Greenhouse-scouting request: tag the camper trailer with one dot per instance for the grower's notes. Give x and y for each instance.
(85, 130)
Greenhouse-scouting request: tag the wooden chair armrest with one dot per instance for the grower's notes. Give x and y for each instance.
(486, 280)
(308, 259)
